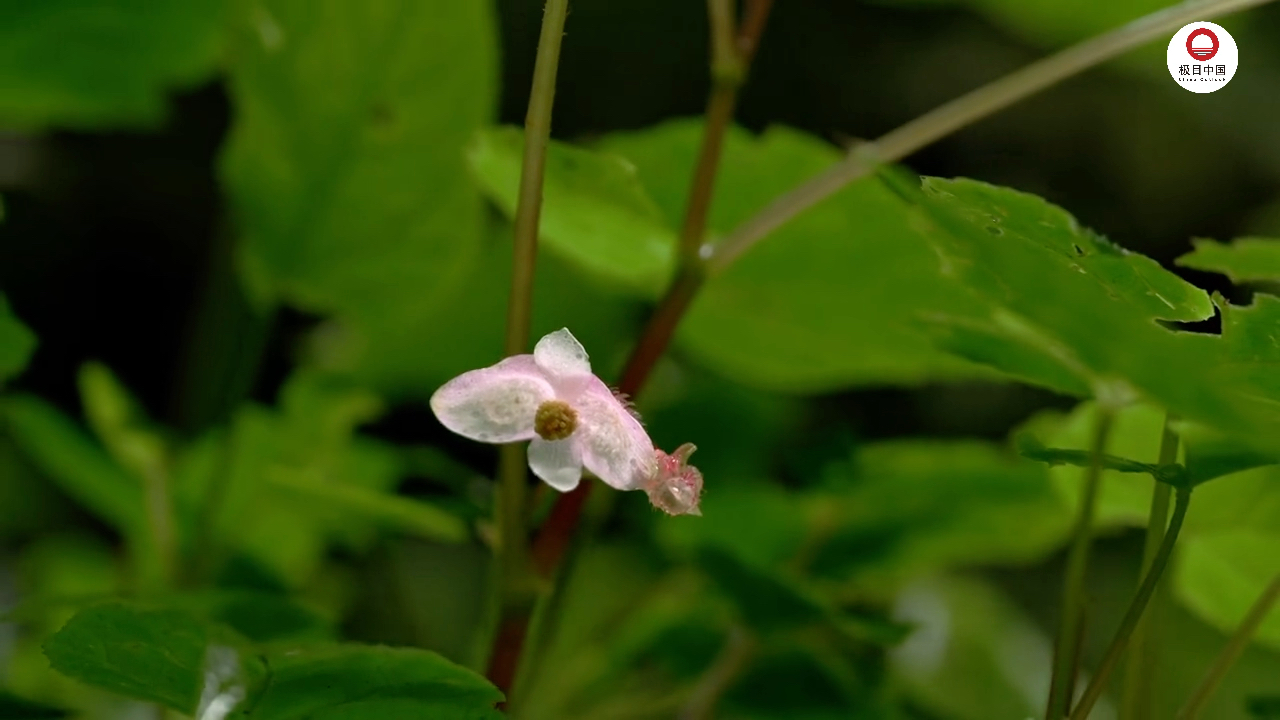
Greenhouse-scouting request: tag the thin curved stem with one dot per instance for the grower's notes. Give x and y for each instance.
(1066, 651)
(515, 587)
(1235, 647)
(962, 111)
(1136, 608)
(739, 647)
(1140, 663)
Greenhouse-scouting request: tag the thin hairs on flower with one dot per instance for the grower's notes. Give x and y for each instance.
(627, 404)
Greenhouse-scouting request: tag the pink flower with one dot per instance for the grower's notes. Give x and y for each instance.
(676, 488)
(551, 398)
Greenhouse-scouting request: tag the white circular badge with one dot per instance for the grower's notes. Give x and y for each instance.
(1202, 57)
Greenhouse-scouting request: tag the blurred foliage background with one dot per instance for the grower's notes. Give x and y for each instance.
(250, 237)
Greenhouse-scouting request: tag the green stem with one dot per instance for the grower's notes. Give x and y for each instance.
(1235, 647)
(1136, 608)
(1140, 663)
(739, 647)
(516, 591)
(946, 119)
(1067, 648)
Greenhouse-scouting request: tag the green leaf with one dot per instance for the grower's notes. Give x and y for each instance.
(346, 163)
(388, 510)
(1264, 707)
(1220, 576)
(1244, 260)
(973, 655)
(155, 655)
(16, 343)
(354, 681)
(298, 478)
(75, 462)
(90, 63)
(595, 212)
(259, 616)
(119, 423)
(1080, 303)
(901, 508)
(772, 602)
(13, 707)
(830, 299)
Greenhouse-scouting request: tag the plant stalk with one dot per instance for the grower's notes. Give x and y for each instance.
(1140, 662)
(557, 532)
(1235, 647)
(976, 105)
(1136, 608)
(516, 592)
(739, 647)
(1070, 638)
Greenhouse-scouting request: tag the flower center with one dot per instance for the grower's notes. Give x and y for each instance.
(555, 420)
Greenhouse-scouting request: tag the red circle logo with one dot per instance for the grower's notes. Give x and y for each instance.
(1200, 51)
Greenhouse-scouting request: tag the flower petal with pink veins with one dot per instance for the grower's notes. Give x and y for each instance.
(613, 443)
(496, 404)
(556, 462)
(560, 355)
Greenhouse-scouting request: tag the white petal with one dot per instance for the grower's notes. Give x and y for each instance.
(613, 443)
(495, 404)
(560, 355)
(556, 462)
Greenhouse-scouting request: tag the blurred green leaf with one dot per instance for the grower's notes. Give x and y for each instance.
(1081, 303)
(904, 507)
(1055, 22)
(1244, 260)
(16, 343)
(830, 299)
(383, 508)
(155, 655)
(75, 462)
(258, 616)
(1264, 707)
(1220, 576)
(94, 63)
(771, 602)
(1210, 454)
(973, 655)
(13, 707)
(353, 681)
(346, 163)
(118, 421)
(595, 212)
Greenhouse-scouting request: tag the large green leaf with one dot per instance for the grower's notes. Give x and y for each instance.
(974, 655)
(346, 163)
(80, 467)
(595, 213)
(1244, 260)
(96, 63)
(830, 299)
(901, 508)
(354, 681)
(156, 655)
(1221, 575)
(306, 449)
(1074, 302)
(16, 343)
